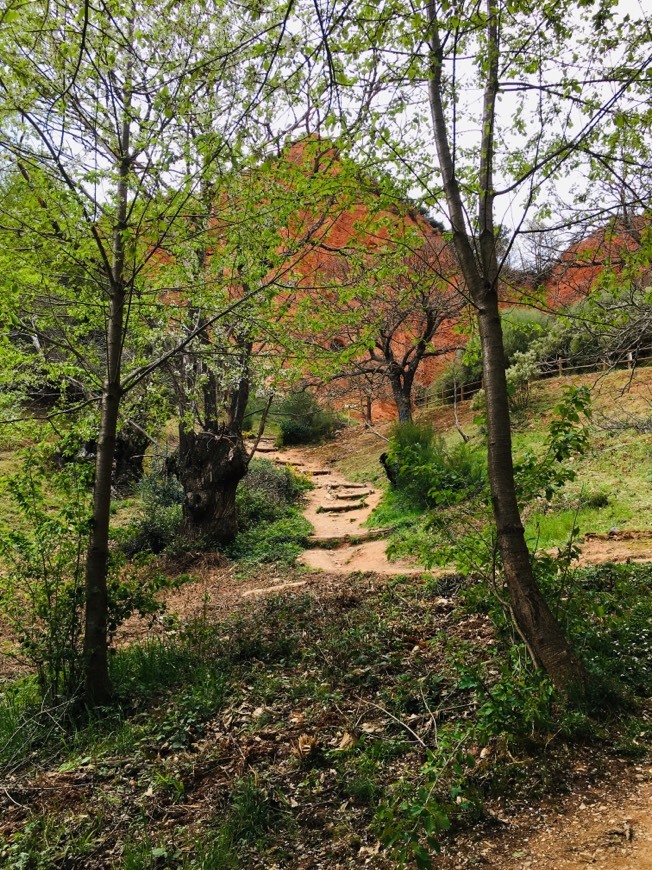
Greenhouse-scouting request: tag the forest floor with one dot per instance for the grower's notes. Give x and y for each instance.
(603, 817)
(302, 713)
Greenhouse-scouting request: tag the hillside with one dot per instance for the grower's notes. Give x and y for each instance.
(281, 717)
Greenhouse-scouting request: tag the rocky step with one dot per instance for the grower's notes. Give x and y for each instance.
(350, 486)
(340, 508)
(266, 449)
(349, 496)
(330, 542)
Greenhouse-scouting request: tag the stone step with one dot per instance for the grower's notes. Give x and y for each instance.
(333, 541)
(350, 486)
(348, 496)
(340, 508)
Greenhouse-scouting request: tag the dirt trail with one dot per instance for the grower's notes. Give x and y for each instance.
(337, 510)
(606, 824)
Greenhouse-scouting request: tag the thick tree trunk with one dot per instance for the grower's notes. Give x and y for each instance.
(210, 467)
(402, 393)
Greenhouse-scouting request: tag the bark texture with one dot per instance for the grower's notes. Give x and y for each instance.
(210, 467)
(478, 261)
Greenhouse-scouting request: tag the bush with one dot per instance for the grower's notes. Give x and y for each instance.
(272, 528)
(42, 588)
(522, 327)
(427, 472)
(158, 525)
(304, 421)
(266, 492)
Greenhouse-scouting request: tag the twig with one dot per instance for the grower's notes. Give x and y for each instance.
(395, 719)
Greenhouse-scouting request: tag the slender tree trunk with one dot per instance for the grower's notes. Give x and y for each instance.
(97, 686)
(534, 620)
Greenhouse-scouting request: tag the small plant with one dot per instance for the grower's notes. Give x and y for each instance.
(159, 522)
(272, 528)
(41, 594)
(568, 436)
(42, 590)
(266, 492)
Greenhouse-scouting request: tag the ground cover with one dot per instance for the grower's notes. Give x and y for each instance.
(321, 730)
(276, 717)
(609, 495)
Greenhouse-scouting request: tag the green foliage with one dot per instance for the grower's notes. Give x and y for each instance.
(278, 542)
(522, 327)
(251, 814)
(428, 473)
(272, 527)
(42, 590)
(304, 421)
(266, 492)
(160, 514)
(607, 610)
(568, 437)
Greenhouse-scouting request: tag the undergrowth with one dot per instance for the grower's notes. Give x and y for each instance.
(308, 727)
(272, 526)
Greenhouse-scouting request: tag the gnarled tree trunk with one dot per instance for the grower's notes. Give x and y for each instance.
(210, 467)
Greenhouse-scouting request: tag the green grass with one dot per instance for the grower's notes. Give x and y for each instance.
(377, 665)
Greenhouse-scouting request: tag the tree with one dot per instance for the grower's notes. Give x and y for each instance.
(560, 111)
(93, 102)
(256, 229)
(403, 322)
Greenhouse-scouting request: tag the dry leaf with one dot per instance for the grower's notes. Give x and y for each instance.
(305, 746)
(348, 741)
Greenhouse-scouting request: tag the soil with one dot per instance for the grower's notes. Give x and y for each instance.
(604, 823)
(605, 820)
(338, 511)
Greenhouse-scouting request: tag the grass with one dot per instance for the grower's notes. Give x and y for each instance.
(310, 728)
(611, 488)
(208, 727)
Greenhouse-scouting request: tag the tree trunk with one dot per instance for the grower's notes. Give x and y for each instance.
(534, 620)
(97, 686)
(536, 624)
(211, 465)
(402, 393)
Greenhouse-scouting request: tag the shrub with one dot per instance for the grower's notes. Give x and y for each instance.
(42, 589)
(304, 421)
(266, 492)
(522, 327)
(272, 528)
(427, 472)
(160, 516)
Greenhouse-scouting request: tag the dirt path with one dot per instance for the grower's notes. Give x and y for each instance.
(337, 509)
(604, 823)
